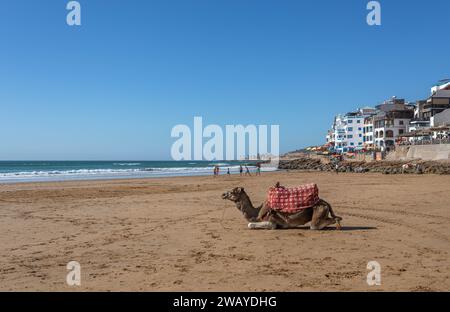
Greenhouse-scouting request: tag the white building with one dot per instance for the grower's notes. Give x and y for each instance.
(338, 133)
(441, 120)
(368, 136)
(347, 133)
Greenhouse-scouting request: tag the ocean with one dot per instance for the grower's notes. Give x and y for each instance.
(37, 171)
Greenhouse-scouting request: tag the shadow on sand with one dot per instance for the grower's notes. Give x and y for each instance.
(343, 229)
(353, 228)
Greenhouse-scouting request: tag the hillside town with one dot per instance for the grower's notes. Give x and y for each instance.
(393, 123)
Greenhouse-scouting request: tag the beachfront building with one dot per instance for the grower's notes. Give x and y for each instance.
(347, 133)
(391, 122)
(440, 120)
(440, 125)
(436, 103)
(425, 112)
(419, 122)
(330, 138)
(339, 134)
(368, 135)
(353, 131)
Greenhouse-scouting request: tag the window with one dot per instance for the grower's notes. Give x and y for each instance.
(359, 143)
(352, 144)
(349, 136)
(350, 129)
(359, 129)
(401, 123)
(358, 121)
(400, 131)
(350, 121)
(360, 135)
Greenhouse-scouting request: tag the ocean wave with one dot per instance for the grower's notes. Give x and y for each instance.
(127, 164)
(25, 174)
(65, 172)
(219, 164)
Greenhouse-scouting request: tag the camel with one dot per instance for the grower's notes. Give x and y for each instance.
(263, 217)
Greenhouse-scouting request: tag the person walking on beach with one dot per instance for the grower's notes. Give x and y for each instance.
(336, 168)
(258, 169)
(241, 170)
(247, 171)
(216, 171)
(228, 171)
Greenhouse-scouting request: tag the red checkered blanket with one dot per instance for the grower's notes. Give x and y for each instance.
(293, 200)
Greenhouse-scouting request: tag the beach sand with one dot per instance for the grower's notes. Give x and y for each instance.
(169, 235)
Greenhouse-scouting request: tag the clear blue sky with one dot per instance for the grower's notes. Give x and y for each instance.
(114, 87)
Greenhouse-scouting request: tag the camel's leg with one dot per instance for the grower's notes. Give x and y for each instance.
(327, 209)
(338, 225)
(320, 212)
(265, 209)
(322, 224)
(262, 226)
(320, 219)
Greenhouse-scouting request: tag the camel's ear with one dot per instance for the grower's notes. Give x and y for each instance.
(241, 189)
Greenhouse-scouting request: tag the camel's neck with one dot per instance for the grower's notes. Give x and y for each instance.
(246, 207)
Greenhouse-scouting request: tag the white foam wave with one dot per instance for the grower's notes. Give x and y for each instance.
(54, 175)
(126, 164)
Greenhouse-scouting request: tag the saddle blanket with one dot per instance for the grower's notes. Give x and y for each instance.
(293, 200)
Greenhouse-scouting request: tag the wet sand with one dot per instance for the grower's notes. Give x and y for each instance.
(177, 234)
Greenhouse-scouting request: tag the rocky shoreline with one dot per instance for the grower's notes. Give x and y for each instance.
(385, 167)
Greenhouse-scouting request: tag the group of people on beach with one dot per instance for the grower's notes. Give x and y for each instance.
(241, 170)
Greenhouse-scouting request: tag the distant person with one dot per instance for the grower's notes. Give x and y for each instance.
(258, 169)
(241, 170)
(336, 168)
(247, 171)
(228, 171)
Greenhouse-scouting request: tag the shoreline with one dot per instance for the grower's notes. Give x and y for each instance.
(202, 177)
(97, 179)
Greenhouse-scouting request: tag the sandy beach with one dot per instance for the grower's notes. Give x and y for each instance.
(173, 234)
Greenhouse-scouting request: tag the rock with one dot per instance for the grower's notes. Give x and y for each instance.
(385, 167)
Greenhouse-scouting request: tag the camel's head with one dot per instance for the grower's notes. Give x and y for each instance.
(235, 195)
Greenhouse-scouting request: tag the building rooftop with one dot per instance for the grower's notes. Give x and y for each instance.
(442, 94)
(389, 107)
